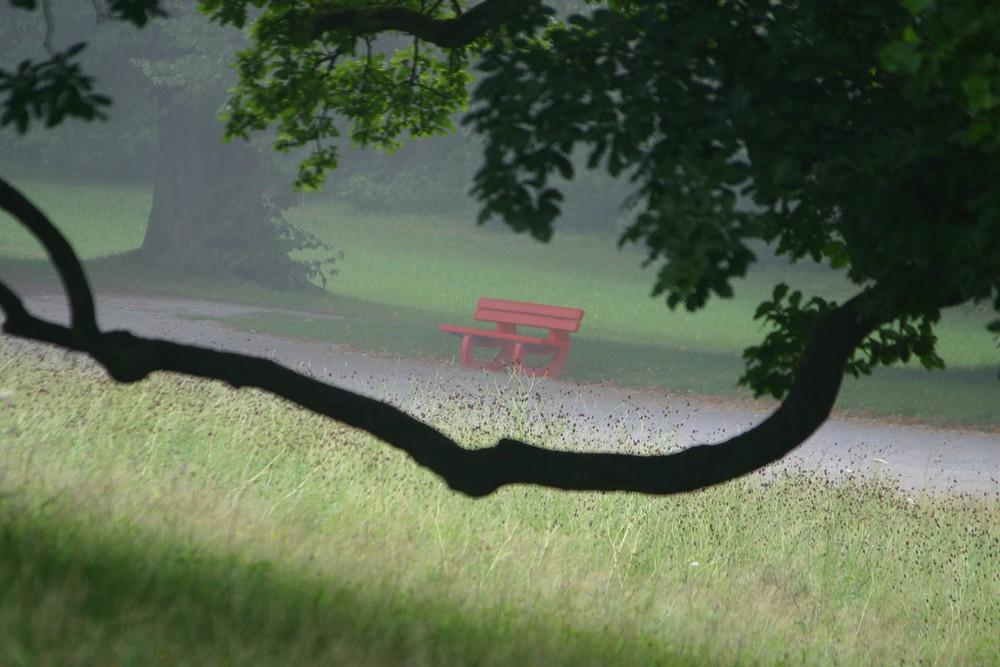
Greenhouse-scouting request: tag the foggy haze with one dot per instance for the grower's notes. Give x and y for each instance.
(109, 185)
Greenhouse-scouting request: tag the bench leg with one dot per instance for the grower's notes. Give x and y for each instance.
(503, 359)
(552, 369)
(467, 347)
(555, 366)
(512, 355)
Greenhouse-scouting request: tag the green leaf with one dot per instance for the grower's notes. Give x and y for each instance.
(900, 56)
(977, 89)
(136, 12)
(917, 6)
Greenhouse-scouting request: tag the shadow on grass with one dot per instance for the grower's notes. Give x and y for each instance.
(74, 593)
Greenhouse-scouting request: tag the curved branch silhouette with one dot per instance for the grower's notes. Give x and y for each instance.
(476, 473)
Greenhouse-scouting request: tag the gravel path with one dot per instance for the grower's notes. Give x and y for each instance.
(918, 459)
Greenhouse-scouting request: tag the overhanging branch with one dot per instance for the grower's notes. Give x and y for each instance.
(84, 330)
(473, 472)
(450, 33)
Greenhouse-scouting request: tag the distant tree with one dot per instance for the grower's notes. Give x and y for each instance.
(217, 208)
(867, 136)
(121, 150)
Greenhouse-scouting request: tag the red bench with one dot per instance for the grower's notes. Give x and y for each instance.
(514, 347)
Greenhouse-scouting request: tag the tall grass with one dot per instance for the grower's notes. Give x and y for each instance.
(179, 522)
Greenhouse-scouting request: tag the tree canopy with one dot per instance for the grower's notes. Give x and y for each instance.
(866, 136)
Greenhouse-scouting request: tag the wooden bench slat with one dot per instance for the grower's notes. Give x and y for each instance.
(531, 308)
(525, 320)
(487, 333)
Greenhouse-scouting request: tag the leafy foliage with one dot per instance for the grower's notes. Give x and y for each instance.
(121, 150)
(307, 87)
(267, 241)
(57, 87)
(50, 90)
(847, 162)
(136, 12)
(793, 319)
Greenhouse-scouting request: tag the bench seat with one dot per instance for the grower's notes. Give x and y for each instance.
(500, 335)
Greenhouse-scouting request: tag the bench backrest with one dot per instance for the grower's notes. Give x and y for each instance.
(554, 318)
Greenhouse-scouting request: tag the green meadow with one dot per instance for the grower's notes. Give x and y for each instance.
(179, 522)
(402, 276)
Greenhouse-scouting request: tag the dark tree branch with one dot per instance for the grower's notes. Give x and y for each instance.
(473, 472)
(50, 27)
(84, 330)
(451, 33)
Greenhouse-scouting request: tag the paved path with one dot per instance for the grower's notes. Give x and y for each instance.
(913, 457)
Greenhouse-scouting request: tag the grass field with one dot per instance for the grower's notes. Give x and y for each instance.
(403, 276)
(177, 522)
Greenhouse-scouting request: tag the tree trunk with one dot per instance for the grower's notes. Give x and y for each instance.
(208, 207)
(180, 183)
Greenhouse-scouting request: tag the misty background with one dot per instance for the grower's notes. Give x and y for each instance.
(227, 210)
